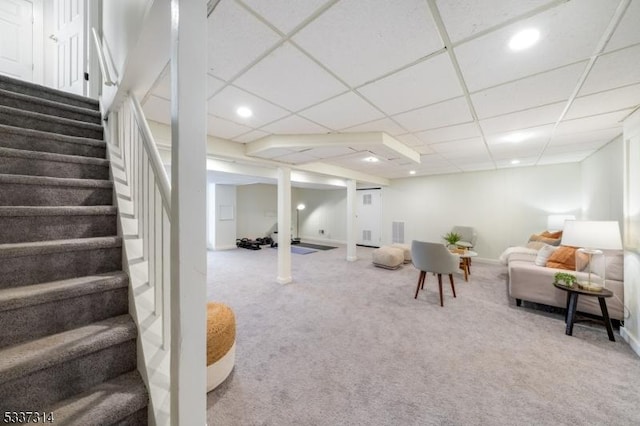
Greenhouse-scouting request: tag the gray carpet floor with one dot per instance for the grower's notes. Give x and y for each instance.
(347, 344)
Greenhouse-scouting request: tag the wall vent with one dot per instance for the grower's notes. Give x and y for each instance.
(366, 199)
(397, 232)
(366, 235)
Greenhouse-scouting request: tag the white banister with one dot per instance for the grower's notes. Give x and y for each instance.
(143, 195)
(102, 61)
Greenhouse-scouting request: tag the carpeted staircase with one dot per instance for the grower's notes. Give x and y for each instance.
(67, 343)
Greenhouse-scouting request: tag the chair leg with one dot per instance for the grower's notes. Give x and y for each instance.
(420, 282)
(424, 278)
(440, 288)
(453, 287)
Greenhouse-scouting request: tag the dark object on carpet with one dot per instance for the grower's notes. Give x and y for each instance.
(316, 246)
(67, 339)
(248, 244)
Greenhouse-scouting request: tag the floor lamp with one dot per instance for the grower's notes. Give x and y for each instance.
(298, 208)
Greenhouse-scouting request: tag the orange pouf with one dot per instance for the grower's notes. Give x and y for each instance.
(221, 339)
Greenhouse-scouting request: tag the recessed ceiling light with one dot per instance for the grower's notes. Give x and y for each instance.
(412, 172)
(524, 39)
(244, 112)
(516, 137)
(371, 160)
(515, 161)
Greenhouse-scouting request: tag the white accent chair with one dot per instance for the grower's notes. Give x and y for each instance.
(436, 258)
(468, 236)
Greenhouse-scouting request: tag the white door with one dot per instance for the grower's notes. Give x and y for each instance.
(16, 39)
(69, 36)
(369, 217)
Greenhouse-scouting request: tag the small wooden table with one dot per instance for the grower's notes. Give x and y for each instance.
(572, 303)
(465, 261)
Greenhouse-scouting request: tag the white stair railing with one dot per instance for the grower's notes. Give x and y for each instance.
(143, 195)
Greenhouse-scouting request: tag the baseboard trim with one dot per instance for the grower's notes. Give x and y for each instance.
(631, 340)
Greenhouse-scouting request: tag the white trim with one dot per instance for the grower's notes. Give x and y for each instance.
(631, 340)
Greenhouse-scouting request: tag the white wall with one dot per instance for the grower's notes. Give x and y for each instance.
(505, 206)
(324, 210)
(257, 210)
(631, 237)
(221, 227)
(602, 184)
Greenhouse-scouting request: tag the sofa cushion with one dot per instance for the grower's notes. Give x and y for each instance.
(543, 254)
(614, 266)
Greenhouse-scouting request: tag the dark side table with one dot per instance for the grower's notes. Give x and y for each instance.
(572, 303)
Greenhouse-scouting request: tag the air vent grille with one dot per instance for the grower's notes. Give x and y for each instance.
(397, 232)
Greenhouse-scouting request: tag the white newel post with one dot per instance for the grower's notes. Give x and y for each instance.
(188, 212)
(284, 225)
(351, 221)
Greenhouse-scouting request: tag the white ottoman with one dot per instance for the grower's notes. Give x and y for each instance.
(406, 249)
(388, 257)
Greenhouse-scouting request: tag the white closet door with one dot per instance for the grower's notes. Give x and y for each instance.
(16, 39)
(70, 39)
(369, 217)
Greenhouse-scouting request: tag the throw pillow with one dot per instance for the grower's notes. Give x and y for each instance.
(546, 240)
(543, 255)
(556, 235)
(614, 266)
(536, 245)
(564, 258)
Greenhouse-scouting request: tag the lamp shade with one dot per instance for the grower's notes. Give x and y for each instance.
(594, 234)
(555, 222)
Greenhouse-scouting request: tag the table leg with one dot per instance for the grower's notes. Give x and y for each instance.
(571, 312)
(607, 320)
(465, 267)
(566, 309)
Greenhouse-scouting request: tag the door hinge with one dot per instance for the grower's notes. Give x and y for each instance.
(86, 76)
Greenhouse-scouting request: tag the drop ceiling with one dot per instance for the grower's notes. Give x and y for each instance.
(436, 77)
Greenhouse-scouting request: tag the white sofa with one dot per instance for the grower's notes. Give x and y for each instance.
(528, 281)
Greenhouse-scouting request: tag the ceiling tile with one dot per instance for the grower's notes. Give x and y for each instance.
(471, 146)
(157, 109)
(613, 70)
(569, 148)
(522, 150)
(385, 125)
(443, 134)
(294, 125)
(424, 149)
(464, 18)
(343, 111)
(540, 89)
(569, 157)
(627, 32)
(285, 15)
(290, 79)
(399, 32)
(569, 33)
(224, 129)
(612, 100)
(522, 136)
(225, 104)
(443, 114)
(236, 38)
(524, 119)
(606, 135)
(595, 122)
(425, 83)
(251, 136)
(474, 166)
(506, 164)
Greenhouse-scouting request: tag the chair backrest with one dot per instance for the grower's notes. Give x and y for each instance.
(433, 257)
(467, 233)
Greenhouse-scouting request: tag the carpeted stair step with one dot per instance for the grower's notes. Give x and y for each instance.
(34, 120)
(42, 261)
(41, 223)
(45, 371)
(37, 140)
(18, 190)
(19, 86)
(121, 401)
(45, 106)
(38, 310)
(32, 163)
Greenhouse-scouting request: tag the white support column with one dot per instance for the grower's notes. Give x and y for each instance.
(351, 221)
(284, 225)
(188, 212)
